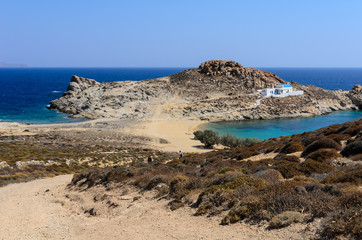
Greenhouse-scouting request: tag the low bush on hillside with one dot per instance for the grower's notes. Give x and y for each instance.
(353, 148)
(286, 218)
(321, 143)
(324, 154)
(292, 147)
(290, 158)
(280, 190)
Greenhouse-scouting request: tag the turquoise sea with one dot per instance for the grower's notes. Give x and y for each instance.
(265, 129)
(25, 93)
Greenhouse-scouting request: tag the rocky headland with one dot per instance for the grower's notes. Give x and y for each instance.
(216, 91)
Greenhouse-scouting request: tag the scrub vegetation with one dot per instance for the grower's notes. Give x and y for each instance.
(314, 175)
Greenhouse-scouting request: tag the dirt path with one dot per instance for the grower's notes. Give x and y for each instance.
(26, 214)
(39, 210)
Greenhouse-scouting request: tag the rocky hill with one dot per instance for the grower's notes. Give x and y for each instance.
(216, 91)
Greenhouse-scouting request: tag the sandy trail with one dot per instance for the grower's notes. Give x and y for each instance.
(40, 210)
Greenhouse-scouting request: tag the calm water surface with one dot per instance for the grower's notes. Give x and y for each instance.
(25, 92)
(265, 129)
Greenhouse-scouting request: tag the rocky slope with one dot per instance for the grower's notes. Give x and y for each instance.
(216, 91)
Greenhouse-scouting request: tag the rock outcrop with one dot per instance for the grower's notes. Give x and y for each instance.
(216, 91)
(78, 84)
(356, 95)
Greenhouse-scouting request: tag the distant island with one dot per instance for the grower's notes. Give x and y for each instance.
(12, 65)
(218, 90)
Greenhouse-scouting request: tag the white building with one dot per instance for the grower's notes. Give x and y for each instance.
(283, 90)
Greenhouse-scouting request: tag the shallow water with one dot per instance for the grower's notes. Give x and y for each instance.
(265, 129)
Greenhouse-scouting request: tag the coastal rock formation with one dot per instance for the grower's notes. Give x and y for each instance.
(78, 84)
(356, 95)
(216, 91)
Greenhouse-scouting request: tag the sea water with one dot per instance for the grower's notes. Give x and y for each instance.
(25, 92)
(265, 129)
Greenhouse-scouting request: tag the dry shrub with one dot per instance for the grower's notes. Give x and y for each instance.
(345, 223)
(255, 166)
(353, 148)
(141, 180)
(307, 140)
(351, 199)
(353, 130)
(236, 214)
(353, 176)
(290, 158)
(203, 209)
(288, 169)
(90, 178)
(176, 204)
(224, 170)
(324, 154)
(119, 174)
(321, 143)
(245, 180)
(292, 147)
(178, 188)
(156, 180)
(357, 157)
(316, 203)
(193, 160)
(302, 178)
(339, 137)
(269, 175)
(245, 154)
(310, 166)
(286, 218)
(228, 193)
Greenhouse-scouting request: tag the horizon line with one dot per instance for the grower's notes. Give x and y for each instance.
(258, 67)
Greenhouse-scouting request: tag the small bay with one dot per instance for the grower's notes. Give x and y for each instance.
(265, 129)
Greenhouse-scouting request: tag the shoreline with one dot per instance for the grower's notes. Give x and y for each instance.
(164, 133)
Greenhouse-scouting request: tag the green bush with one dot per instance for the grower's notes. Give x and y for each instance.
(208, 137)
(230, 141)
(199, 135)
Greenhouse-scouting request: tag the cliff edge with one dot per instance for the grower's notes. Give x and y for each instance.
(216, 91)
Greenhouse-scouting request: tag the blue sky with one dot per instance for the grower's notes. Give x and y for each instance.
(256, 33)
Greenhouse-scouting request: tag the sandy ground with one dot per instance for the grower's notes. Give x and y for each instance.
(46, 209)
(177, 133)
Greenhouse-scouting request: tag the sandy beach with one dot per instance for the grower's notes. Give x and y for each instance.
(163, 134)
